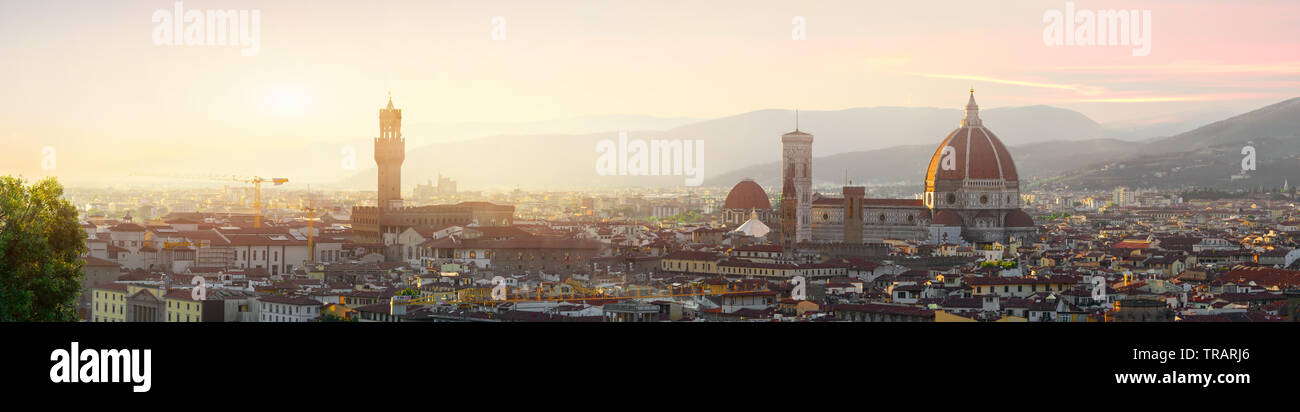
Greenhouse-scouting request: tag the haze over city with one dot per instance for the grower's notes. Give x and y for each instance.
(85, 78)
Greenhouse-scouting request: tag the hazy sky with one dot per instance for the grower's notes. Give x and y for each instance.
(87, 78)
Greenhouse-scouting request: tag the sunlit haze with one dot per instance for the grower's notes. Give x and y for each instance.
(86, 78)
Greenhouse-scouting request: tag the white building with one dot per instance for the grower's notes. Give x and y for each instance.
(288, 309)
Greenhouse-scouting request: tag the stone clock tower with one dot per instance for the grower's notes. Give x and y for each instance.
(390, 151)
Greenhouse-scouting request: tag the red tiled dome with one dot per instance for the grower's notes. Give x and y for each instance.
(747, 195)
(946, 218)
(1018, 218)
(987, 158)
(977, 153)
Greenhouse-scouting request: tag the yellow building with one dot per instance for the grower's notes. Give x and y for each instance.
(1019, 286)
(745, 268)
(108, 303)
(119, 302)
(690, 262)
(944, 316)
(474, 293)
(439, 295)
(182, 307)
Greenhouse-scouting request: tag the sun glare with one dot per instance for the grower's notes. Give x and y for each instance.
(286, 101)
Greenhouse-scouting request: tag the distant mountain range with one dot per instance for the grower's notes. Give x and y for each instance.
(906, 164)
(732, 145)
(1207, 156)
(884, 145)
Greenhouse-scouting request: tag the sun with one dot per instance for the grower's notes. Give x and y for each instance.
(286, 101)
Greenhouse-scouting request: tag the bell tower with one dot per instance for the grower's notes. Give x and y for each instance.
(789, 217)
(796, 166)
(390, 152)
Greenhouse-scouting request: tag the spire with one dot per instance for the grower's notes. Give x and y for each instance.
(796, 120)
(972, 111)
(390, 99)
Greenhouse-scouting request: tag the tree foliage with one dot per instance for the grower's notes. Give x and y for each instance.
(41, 244)
(1004, 264)
(330, 317)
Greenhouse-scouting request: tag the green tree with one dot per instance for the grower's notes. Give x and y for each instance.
(330, 317)
(40, 252)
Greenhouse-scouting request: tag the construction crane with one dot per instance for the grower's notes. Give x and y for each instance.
(257, 193)
(254, 180)
(311, 228)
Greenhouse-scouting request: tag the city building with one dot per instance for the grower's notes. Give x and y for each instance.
(379, 226)
(971, 196)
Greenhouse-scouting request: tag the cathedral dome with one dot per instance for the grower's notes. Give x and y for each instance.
(747, 195)
(976, 154)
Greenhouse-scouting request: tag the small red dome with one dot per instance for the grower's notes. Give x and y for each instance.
(747, 195)
(946, 218)
(1018, 218)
